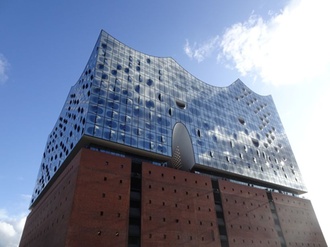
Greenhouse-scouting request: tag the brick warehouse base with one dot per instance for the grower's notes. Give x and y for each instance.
(101, 199)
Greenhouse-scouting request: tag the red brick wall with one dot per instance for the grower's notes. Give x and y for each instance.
(298, 221)
(88, 205)
(100, 208)
(177, 208)
(248, 217)
(47, 223)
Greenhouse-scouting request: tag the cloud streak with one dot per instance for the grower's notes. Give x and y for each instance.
(4, 66)
(201, 51)
(290, 47)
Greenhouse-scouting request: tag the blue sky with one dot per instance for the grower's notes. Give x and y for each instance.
(277, 47)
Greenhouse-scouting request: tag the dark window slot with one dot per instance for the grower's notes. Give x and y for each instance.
(219, 212)
(134, 230)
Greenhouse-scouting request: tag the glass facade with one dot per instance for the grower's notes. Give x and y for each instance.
(126, 97)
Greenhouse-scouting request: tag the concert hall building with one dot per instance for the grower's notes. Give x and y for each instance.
(145, 154)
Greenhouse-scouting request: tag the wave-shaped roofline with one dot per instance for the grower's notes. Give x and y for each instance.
(158, 57)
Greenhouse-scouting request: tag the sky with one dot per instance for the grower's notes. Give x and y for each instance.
(277, 47)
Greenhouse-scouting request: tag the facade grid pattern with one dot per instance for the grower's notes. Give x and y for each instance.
(134, 100)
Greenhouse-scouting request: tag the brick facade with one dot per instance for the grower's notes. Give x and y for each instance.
(177, 208)
(298, 221)
(101, 199)
(87, 205)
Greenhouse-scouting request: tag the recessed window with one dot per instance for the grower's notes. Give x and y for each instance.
(242, 121)
(149, 82)
(160, 97)
(232, 144)
(180, 104)
(255, 142)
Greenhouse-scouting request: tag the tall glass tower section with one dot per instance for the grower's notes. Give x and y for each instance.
(132, 102)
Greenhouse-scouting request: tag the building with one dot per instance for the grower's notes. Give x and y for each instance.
(145, 154)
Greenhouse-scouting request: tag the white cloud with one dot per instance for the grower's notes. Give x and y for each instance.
(11, 228)
(4, 66)
(200, 52)
(12, 224)
(291, 47)
(7, 229)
